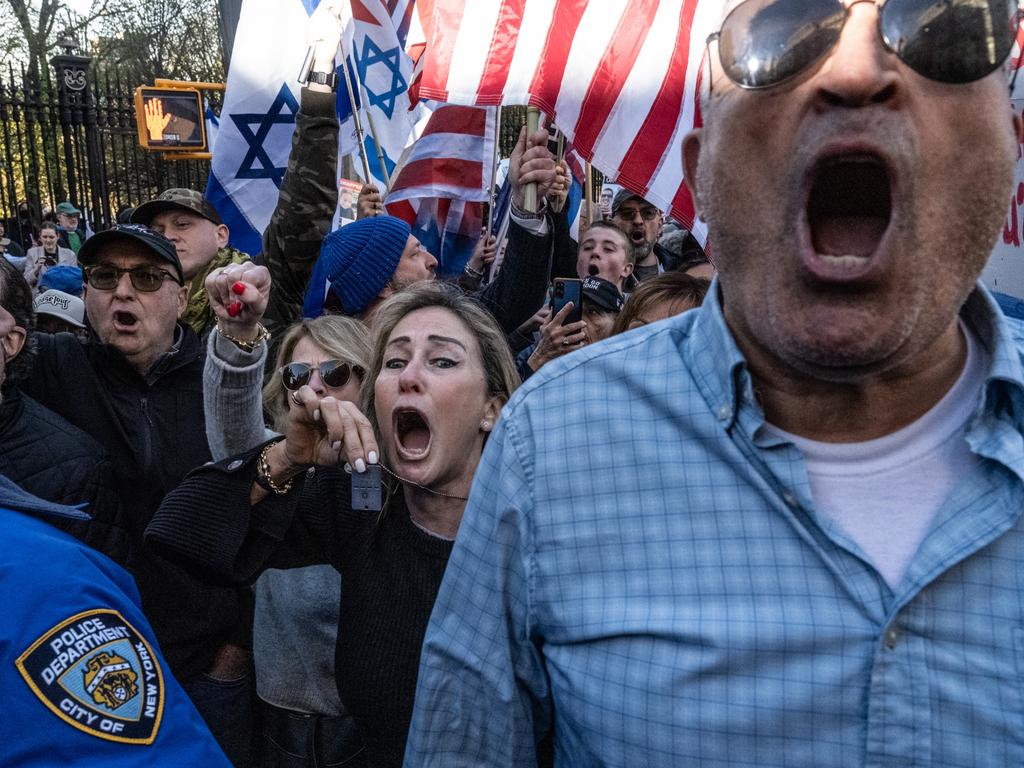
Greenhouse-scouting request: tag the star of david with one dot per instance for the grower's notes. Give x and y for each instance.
(372, 54)
(257, 139)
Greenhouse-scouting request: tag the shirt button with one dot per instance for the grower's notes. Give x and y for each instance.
(724, 412)
(234, 465)
(892, 637)
(790, 499)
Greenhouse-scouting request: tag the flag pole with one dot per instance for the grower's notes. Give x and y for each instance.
(376, 143)
(492, 195)
(558, 203)
(355, 110)
(588, 192)
(530, 193)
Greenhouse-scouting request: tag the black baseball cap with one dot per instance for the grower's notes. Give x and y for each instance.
(597, 290)
(155, 243)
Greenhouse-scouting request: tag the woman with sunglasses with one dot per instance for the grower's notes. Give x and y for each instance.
(439, 374)
(296, 610)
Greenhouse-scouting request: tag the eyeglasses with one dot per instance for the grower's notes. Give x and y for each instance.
(333, 373)
(105, 277)
(628, 214)
(764, 43)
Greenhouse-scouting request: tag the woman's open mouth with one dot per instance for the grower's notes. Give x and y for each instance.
(849, 207)
(412, 433)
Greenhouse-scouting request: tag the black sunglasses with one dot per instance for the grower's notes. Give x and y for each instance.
(333, 373)
(763, 43)
(105, 277)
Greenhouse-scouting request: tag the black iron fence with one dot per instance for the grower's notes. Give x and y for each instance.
(70, 134)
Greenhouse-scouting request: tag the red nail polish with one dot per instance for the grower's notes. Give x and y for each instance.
(235, 308)
(238, 289)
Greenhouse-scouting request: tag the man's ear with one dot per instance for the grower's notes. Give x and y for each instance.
(691, 161)
(386, 291)
(13, 342)
(223, 235)
(182, 300)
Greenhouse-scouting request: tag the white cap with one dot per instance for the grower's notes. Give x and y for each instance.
(63, 306)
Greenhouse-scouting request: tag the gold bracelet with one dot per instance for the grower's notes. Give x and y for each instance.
(263, 473)
(262, 334)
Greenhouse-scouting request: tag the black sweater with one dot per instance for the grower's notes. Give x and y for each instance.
(391, 571)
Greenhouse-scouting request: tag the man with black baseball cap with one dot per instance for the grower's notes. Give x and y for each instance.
(192, 224)
(602, 301)
(136, 387)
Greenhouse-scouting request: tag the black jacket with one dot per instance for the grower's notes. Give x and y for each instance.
(51, 459)
(154, 431)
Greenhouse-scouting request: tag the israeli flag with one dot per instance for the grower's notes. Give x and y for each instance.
(250, 155)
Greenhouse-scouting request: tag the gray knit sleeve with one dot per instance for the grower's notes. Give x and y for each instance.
(232, 384)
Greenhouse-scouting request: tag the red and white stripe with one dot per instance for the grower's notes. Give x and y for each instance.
(620, 79)
(451, 159)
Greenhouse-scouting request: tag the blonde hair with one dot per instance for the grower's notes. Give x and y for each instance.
(496, 358)
(345, 338)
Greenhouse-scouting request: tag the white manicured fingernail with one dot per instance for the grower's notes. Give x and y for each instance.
(348, 468)
(360, 466)
(336, 445)
(372, 457)
(316, 415)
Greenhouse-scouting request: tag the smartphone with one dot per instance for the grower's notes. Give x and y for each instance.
(566, 290)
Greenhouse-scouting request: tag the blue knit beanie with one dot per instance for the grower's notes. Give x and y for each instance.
(356, 262)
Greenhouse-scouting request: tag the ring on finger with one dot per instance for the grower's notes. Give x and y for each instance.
(296, 399)
(565, 342)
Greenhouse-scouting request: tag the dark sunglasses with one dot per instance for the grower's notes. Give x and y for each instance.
(763, 43)
(333, 373)
(105, 277)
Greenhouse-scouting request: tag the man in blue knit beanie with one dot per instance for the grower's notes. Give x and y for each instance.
(362, 264)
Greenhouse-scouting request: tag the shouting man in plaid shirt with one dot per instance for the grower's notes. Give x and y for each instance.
(794, 536)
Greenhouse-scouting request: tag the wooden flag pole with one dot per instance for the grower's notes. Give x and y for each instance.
(492, 196)
(530, 193)
(360, 136)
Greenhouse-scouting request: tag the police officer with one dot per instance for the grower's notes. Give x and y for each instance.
(83, 680)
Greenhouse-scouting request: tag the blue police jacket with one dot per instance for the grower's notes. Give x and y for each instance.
(83, 680)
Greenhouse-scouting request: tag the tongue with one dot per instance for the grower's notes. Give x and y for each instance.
(847, 235)
(417, 439)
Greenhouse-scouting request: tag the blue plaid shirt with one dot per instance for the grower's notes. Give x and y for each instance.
(640, 568)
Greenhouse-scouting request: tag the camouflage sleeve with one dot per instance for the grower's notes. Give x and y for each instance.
(305, 208)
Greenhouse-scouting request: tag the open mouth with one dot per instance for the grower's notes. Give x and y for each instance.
(593, 270)
(412, 431)
(637, 235)
(125, 321)
(849, 208)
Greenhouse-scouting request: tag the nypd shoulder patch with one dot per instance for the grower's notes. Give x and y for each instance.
(96, 673)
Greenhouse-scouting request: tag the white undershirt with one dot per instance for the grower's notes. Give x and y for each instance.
(884, 493)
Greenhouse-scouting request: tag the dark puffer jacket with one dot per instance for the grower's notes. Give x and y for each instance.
(51, 459)
(154, 431)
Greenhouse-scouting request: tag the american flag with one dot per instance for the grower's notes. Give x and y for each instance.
(444, 181)
(620, 79)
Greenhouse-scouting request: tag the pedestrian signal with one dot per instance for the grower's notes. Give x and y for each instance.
(170, 119)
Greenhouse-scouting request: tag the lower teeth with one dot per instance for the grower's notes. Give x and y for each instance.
(847, 260)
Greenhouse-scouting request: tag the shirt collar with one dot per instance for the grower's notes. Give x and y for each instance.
(718, 367)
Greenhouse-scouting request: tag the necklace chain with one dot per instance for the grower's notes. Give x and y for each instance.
(421, 487)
